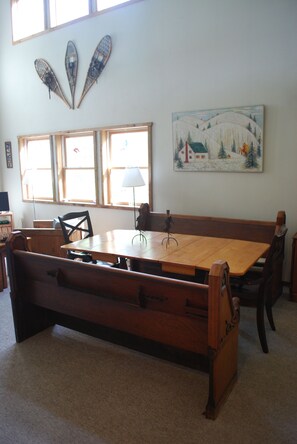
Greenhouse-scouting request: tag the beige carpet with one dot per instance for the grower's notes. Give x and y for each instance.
(64, 387)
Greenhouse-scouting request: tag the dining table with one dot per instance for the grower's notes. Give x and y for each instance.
(174, 253)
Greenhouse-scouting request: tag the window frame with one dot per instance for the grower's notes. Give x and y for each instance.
(100, 161)
(60, 142)
(105, 148)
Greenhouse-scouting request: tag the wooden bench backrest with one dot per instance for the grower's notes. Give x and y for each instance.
(117, 298)
(251, 230)
(151, 306)
(45, 240)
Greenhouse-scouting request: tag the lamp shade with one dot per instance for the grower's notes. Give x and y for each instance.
(133, 177)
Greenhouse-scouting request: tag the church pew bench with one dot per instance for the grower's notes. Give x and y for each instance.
(173, 319)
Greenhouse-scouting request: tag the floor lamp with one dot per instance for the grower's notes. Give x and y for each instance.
(133, 178)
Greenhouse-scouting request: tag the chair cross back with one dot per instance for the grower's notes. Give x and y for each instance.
(76, 223)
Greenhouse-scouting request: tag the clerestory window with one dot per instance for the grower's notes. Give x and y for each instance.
(31, 17)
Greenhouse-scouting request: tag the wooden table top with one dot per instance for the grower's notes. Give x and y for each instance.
(188, 254)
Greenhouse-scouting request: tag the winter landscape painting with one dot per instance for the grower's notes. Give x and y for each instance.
(229, 139)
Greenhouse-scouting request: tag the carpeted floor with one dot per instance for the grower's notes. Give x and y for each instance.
(64, 387)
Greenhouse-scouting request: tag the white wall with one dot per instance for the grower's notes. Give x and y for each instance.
(168, 55)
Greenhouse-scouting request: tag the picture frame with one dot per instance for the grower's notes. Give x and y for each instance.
(224, 140)
(8, 154)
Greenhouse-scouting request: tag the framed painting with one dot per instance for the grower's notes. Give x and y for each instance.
(227, 139)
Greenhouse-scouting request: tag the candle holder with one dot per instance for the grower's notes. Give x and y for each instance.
(142, 221)
(168, 223)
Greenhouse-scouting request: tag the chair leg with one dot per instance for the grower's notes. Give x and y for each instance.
(260, 322)
(269, 315)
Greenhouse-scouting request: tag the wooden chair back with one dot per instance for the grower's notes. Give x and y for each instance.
(275, 255)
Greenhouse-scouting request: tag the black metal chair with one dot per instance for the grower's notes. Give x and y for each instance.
(76, 226)
(255, 288)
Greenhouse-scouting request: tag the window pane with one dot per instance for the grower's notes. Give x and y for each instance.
(80, 186)
(39, 154)
(129, 149)
(105, 4)
(124, 195)
(79, 152)
(63, 11)
(27, 18)
(40, 185)
(122, 148)
(37, 181)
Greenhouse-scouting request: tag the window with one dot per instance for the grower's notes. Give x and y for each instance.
(63, 11)
(69, 168)
(36, 168)
(77, 168)
(123, 148)
(24, 22)
(30, 17)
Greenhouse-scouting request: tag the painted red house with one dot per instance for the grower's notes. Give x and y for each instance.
(193, 152)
